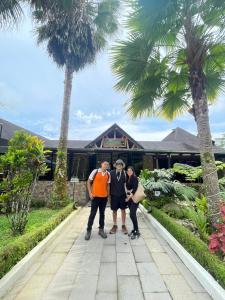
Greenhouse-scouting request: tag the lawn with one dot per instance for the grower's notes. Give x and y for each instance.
(37, 217)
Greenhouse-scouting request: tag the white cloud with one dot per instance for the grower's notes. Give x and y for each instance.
(87, 118)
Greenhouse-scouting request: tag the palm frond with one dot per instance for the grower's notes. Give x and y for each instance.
(10, 12)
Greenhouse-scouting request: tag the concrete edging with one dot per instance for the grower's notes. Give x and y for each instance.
(7, 281)
(208, 282)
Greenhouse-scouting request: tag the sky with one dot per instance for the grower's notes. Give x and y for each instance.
(31, 92)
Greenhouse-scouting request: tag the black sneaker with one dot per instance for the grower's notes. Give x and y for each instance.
(88, 235)
(102, 233)
(135, 235)
(131, 233)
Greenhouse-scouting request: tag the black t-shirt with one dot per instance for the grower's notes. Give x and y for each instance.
(118, 180)
(132, 183)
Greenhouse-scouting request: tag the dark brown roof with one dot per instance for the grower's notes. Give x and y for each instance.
(179, 140)
(9, 128)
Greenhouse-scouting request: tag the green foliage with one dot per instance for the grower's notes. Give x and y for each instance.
(191, 173)
(37, 202)
(157, 202)
(155, 62)
(184, 192)
(76, 32)
(200, 220)
(10, 12)
(196, 247)
(16, 250)
(21, 165)
(174, 210)
(162, 180)
(201, 204)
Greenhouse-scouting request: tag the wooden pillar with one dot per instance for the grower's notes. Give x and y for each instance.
(157, 161)
(169, 160)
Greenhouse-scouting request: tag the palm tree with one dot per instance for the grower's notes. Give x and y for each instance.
(173, 61)
(74, 35)
(10, 12)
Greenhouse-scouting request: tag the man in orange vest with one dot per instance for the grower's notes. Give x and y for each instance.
(98, 189)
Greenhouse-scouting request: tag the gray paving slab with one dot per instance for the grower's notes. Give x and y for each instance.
(141, 253)
(85, 288)
(151, 279)
(107, 281)
(108, 254)
(157, 296)
(126, 264)
(129, 288)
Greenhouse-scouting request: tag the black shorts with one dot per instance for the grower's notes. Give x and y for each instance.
(118, 202)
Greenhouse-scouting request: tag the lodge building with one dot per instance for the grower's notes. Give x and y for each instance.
(85, 155)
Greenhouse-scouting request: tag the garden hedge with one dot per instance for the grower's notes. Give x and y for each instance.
(16, 250)
(196, 247)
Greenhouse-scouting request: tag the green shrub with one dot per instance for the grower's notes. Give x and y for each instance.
(38, 203)
(16, 250)
(174, 210)
(156, 201)
(196, 247)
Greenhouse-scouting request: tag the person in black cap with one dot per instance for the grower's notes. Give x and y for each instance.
(118, 195)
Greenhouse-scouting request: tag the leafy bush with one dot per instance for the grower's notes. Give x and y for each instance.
(193, 174)
(174, 210)
(217, 239)
(21, 165)
(162, 180)
(37, 203)
(200, 220)
(196, 247)
(157, 202)
(16, 250)
(184, 192)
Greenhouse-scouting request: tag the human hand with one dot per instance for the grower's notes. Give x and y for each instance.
(91, 196)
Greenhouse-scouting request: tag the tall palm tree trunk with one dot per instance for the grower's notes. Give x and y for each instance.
(60, 179)
(210, 177)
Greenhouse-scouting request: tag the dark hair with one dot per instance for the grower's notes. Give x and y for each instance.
(132, 168)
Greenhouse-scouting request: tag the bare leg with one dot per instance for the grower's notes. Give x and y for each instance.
(123, 215)
(115, 217)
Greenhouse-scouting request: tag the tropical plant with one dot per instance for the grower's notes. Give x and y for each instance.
(217, 239)
(197, 212)
(193, 174)
(21, 166)
(74, 35)
(162, 180)
(172, 62)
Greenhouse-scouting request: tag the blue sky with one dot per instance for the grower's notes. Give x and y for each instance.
(31, 90)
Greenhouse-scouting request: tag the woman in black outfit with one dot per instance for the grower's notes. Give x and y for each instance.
(132, 185)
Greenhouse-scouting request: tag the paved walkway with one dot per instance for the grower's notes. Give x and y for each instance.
(111, 269)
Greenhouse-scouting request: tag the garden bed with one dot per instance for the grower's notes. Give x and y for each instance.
(195, 246)
(41, 223)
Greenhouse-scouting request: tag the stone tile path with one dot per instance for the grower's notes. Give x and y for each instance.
(112, 269)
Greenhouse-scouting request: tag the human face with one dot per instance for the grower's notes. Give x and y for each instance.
(119, 168)
(130, 172)
(105, 165)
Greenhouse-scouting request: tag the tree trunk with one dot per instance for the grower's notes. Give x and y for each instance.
(210, 177)
(60, 197)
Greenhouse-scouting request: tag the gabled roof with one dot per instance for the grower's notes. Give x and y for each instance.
(182, 136)
(8, 130)
(110, 129)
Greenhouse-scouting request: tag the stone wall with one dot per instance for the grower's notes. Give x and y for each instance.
(43, 191)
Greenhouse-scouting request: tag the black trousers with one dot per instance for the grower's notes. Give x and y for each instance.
(97, 203)
(133, 213)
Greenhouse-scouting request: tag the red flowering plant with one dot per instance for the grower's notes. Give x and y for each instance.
(217, 239)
